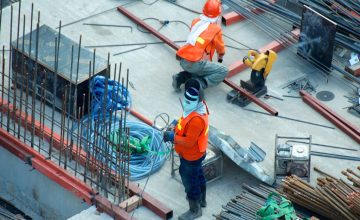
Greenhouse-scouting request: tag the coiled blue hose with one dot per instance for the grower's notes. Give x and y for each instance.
(141, 165)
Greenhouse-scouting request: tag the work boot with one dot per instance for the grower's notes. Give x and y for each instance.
(203, 197)
(194, 211)
(176, 82)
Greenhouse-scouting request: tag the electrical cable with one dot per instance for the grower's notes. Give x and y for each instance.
(183, 7)
(149, 3)
(162, 22)
(141, 163)
(236, 41)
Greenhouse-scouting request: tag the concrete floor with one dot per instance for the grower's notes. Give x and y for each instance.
(151, 69)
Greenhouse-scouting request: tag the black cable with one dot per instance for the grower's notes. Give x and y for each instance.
(237, 42)
(149, 3)
(162, 22)
(186, 8)
(236, 48)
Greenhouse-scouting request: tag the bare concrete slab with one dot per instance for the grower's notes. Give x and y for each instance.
(151, 69)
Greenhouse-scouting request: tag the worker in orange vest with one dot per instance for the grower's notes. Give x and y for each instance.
(197, 54)
(190, 138)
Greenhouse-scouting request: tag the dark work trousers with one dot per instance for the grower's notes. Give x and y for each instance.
(192, 177)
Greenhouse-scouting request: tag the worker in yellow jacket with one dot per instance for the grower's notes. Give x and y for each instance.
(197, 54)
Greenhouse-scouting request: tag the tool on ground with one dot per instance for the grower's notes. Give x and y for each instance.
(292, 158)
(267, 96)
(354, 99)
(261, 65)
(251, 201)
(275, 209)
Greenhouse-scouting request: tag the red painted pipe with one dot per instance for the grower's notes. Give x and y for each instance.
(333, 113)
(250, 96)
(141, 117)
(336, 121)
(176, 47)
(232, 18)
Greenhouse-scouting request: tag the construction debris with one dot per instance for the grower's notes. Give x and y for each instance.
(245, 158)
(301, 84)
(354, 99)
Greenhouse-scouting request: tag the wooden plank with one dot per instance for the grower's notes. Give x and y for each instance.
(131, 203)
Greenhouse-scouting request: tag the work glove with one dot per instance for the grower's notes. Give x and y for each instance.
(172, 125)
(169, 136)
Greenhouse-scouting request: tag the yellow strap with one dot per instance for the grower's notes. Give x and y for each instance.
(200, 40)
(179, 127)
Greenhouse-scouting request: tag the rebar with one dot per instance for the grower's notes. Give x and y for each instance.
(329, 199)
(29, 110)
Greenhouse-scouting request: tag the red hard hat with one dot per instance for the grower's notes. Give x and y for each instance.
(212, 8)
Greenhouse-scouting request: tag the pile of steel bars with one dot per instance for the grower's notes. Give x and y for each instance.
(332, 198)
(352, 176)
(245, 205)
(279, 28)
(347, 36)
(336, 119)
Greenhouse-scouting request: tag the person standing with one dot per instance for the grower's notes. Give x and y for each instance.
(190, 138)
(197, 54)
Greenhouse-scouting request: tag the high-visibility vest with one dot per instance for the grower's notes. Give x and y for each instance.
(204, 44)
(197, 151)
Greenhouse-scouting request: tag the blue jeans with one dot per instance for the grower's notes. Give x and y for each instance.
(192, 177)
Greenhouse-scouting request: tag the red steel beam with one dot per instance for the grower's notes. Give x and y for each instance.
(176, 47)
(59, 175)
(333, 113)
(337, 121)
(148, 201)
(250, 96)
(151, 203)
(232, 18)
(239, 66)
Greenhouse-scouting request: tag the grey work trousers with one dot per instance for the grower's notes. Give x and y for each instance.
(213, 73)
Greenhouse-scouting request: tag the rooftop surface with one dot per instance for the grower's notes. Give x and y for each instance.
(151, 69)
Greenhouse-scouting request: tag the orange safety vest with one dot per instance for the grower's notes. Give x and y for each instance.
(195, 152)
(204, 45)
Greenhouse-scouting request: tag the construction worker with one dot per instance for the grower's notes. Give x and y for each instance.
(190, 138)
(196, 55)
